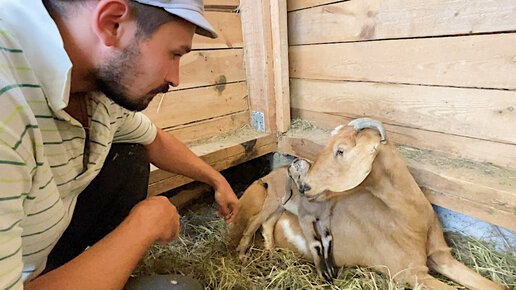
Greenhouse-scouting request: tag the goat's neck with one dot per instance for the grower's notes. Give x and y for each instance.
(391, 182)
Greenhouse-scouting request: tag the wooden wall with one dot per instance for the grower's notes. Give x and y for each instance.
(440, 74)
(212, 96)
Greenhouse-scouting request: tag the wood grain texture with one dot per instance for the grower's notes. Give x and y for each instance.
(454, 111)
(301, 4)
(221, 2)
(187, 106)
(256, 28)
(280, 57)
(228, 27)
(220, 155)
(481, 61)
(211, 127)
(210, 67)
(479, 150)
(380, 19)
(491, 203)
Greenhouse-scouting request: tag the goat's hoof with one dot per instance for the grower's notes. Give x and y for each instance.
(242, 257)
(327, 277)
(334, 271)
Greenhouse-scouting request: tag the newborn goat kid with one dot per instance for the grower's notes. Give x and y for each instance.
(266, 200)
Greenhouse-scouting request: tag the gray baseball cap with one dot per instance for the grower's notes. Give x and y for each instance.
(189, 10)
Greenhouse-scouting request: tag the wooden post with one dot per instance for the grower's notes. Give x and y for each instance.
(258, 58)
(280, 53)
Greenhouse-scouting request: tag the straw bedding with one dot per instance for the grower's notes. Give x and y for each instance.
(203, 252)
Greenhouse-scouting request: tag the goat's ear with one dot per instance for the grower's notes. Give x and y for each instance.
(357, 165)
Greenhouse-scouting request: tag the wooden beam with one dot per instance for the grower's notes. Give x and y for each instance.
(478, 150)
(490, 198)
(379, 19)
(228, 27)
(455, 111)
(480, 61)
(280, 56)
(180, 107)
(211, 67)
(220, 154)
(221, 3)
(191, 192)
(256, 29)
(302, 4)
(211, 127)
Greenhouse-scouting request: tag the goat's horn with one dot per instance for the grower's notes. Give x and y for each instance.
(363, 123)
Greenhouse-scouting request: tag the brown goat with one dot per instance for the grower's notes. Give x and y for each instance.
(381, 218)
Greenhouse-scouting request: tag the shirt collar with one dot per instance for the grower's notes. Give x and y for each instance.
(43, 46)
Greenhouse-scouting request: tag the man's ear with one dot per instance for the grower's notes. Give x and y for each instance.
(109, 20)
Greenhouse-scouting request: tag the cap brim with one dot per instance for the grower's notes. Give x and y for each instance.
(204, 28)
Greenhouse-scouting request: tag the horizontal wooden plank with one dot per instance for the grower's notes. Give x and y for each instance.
(458, 146)
(492, 196)
(186, 106)
(210, 3)
(211, 127)
(486, 61)
(497, 204)
(210, 67)
(473, 209)
(379, 19)
(300, 4)
(192, 191)
(455, 111)
(228, 27)
(220, 155)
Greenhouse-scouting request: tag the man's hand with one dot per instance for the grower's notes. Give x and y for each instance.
(159, 216)
(227, 200)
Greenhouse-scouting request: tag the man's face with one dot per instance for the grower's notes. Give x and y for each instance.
(146, 67)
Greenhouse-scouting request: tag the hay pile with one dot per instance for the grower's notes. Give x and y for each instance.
(203, 252)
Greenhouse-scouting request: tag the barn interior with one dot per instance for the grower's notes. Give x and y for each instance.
(439, 75)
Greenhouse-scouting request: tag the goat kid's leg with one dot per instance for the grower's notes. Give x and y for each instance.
(323, 227)
(268, 229)
(308, 225)
(254, 224)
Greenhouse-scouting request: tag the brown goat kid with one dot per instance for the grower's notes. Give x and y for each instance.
(267, 199)
(381, 218)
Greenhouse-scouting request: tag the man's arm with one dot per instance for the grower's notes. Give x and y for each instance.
(108, 263)
(170, 154)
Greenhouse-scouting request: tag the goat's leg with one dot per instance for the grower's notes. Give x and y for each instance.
(268, 229)
(308, 225)
(441, 261)
(254, 224)
(428, 282)
(324, 229)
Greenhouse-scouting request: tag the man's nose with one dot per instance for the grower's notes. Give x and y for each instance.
(173, 75)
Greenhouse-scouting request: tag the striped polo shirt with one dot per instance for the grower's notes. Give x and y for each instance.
(45, 158)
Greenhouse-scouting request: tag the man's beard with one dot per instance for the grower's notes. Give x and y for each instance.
(118, 74)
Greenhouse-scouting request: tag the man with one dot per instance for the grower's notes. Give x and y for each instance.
(72, 75)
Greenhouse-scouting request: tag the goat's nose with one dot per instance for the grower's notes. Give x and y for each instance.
(303, 188)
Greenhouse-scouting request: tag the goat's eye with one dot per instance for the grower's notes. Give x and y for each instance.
(339, 152)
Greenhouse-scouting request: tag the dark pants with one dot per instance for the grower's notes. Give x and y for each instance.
(101, 207)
